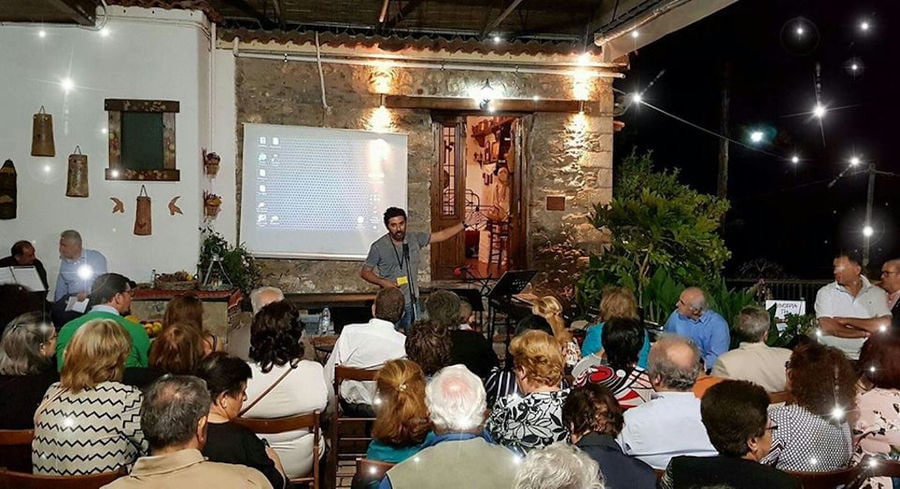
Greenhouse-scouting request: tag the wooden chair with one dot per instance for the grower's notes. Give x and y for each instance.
(19, 480)
(15, 449)
(826, 480)
(369, 473)
(338, 418)
(310, 421)
(780, 397)
(874, 467)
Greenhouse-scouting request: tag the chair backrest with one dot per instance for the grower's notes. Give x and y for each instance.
(779, 397)
(342, 373)
(336, 453)
(15, 449)
(825, 480)
(20, 480)
(871, 466)
(369, 473)
(309, 421)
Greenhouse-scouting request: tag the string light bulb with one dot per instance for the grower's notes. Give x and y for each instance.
(854, 161)
(636, 98)
(795, 159)
(497, 39)
(868, 232)
(756, 136)
(800, 31)
(864, 26)
(635, 34)
(819, 111)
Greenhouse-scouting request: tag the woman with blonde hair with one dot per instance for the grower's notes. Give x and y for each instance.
(27, 369)
(89, 422)
(549, 308)
(533, 420)
(402, 426)
(617, 302)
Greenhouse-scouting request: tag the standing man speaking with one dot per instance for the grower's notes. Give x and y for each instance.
(393, 259)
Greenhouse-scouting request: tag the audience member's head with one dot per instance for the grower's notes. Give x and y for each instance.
(622, 340)
(735, 414)
(226, 380)
(456, 400)
(549, 308)
(538, 360)
(674, 364)
(821, 379)
(592, 408)
(185, 308)
(23, 252)
(28, 345)
(264, 296)
(847, 267)
(533, 321)
(114, 290)
(442, 307)
(879, 360)
(70, 244)
(96, 354)
(389, 305)
(558, 466)
(400, 403)
(275, 336)
(890, 277)
(752, 323)
(174, 413)
(465, 313)
(177, 349)
(692, 303)
(428, 344)
(617, 302)
(16, 300)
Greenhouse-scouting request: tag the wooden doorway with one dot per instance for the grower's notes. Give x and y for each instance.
(479, 170)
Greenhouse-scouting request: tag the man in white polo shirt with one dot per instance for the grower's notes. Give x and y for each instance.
(850, 308)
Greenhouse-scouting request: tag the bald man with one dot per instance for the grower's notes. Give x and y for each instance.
(670, 424)
(693, 318)
(890, 282)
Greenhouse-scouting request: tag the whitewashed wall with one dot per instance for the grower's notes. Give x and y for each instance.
(145, 54)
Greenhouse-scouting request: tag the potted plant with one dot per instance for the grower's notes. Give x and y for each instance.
(211, 163)
(212, 204)
(237, 262)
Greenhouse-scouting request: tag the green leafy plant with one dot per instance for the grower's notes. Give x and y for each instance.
(796, 326)
(728, 303)
(656, 223)
(238, 263)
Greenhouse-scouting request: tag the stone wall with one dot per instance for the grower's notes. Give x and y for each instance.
(567, 154)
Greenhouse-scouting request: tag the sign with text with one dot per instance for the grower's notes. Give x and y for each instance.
(783, 308)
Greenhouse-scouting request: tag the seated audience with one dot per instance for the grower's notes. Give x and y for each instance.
(694, 319)
(264, 296)
(669, 424)
(78, 268)
(558, 466)
(428, 344)
(813, 434)
(402, 425)
(458, 456)
(89, 422)
(705, 381)
(502, 382)
(877, 425)
(174, 420)
(466, 316)
(227, 442)
(617, 302)
(297, 385)
(111, 298)
(178, 349)
(368, 346)
(468, 347)
(735, 416)
(753, 360)
(188, 309)
(594, 419)
(22, 254)
(631, 385)
(549, 308)
(535, 419)
(26, 369)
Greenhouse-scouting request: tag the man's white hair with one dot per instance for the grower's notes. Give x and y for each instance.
(558, 466)
(456, 399)
(264, 296)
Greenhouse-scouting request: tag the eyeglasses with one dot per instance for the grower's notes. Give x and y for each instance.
(772, 427)
(888, 272)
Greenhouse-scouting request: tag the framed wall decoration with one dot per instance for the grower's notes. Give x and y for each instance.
(142, 140)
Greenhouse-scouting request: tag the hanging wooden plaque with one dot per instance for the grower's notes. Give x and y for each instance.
(77, 178)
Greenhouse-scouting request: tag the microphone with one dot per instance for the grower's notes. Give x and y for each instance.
(406, 252)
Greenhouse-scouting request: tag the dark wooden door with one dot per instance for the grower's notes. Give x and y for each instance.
(448, 194)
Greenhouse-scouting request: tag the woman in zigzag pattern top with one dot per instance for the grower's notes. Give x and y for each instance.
(89, 422)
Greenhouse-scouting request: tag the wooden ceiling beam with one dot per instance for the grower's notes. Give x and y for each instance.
(407, 9)
(503, 15)
(82, 12)
(279, 14)
(250, 10)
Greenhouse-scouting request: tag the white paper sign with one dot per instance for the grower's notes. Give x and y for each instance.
(783, 308)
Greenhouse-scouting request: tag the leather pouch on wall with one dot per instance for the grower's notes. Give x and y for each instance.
(143, 225)
(77, 178)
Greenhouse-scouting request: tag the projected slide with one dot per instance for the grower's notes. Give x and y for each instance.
(318, 193)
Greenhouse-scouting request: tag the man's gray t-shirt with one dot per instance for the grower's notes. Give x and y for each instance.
(388, 262)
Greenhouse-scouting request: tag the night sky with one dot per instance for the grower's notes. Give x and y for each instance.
(782, 212)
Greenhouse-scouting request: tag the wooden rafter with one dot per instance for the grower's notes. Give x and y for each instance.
(503, 15)
(407, 9)
(83, 12)
(279, 14)
(250, 10)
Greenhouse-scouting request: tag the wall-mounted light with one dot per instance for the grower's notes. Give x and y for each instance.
(486, 94)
